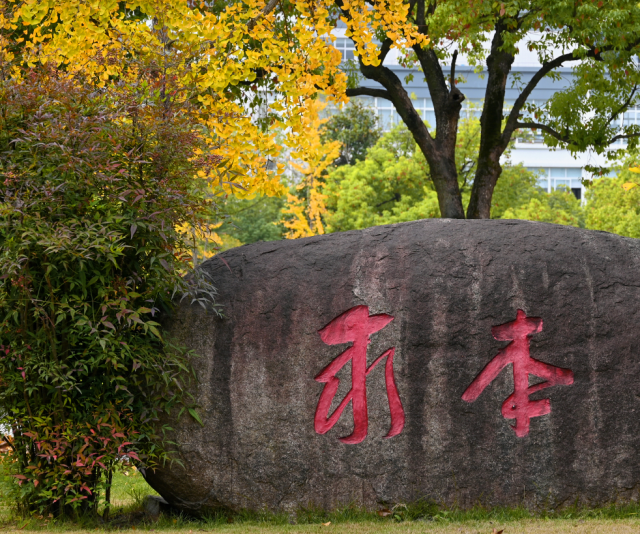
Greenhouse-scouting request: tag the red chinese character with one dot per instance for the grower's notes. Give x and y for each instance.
(518, 406)
(355, 325)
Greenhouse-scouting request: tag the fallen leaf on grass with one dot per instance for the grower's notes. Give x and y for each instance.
(327, 524)
(496, 531)
(385, 512)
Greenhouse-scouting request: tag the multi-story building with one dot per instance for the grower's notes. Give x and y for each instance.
(556, 167)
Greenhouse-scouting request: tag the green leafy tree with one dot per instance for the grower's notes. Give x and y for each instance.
(390, 185)
(613, 204)
(356, 127)
(252, 220)
(393, 183)
(600, 40)
(516, 188)
(559, 207)
(98, 208)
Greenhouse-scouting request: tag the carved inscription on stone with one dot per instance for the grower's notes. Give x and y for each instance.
(356, 326)
(518, 406)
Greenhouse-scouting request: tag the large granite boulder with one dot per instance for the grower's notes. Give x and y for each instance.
(493, 362)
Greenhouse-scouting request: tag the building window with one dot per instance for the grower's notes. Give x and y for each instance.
(389, 117)
(632, 116)
(552, 178)
(424, 106)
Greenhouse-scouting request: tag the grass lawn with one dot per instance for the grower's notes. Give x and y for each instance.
(130, 488)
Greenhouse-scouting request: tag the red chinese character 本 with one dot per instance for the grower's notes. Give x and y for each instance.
(518, 406)
(356, 326)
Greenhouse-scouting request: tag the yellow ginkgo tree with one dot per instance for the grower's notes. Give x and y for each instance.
(252, 68)
(304, 210)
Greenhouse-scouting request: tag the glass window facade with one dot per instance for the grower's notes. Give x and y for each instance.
(552, 178)
(389, 117)
(632, 116)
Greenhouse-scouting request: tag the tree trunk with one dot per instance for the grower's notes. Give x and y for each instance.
(440, 152)
(492, 143)
(445, 180)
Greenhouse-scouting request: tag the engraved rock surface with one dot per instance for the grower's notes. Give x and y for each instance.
(446, 284)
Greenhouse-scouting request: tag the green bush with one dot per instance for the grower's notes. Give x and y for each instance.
(98, 206)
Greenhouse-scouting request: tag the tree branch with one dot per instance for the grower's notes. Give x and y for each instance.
(412, 4)
(564, 139)
(624, 106)
(267, 9)
(436, 79)
(453, 69)
(547, 67)
(512, 121)
(544, 128)
(384, 49)
(420, 16)
(369, 91)
(623, 136)
(397, 94)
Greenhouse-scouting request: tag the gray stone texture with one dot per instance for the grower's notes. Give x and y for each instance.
(446, 283)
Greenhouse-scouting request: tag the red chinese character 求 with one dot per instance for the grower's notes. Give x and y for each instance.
(518, 406)
(355, 325)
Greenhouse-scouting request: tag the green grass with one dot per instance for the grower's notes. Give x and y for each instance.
(130, 488)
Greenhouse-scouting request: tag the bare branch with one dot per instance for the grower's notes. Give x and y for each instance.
(397, 94)
(369, 91)
(436, 79)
